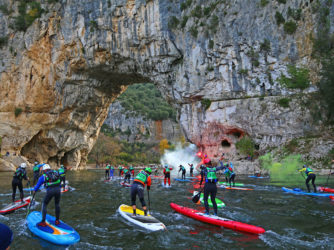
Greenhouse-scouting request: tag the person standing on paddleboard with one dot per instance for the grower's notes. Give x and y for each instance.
(132, 171)
(229, 173)
(51, 181)
(166, 172)
(127, 175)
(62, 173)
(310, 176)
(191, 169)
(183, 169)
(36, 171)
(120, 168)
(112, 171)
(19, 174)
(210, 187)
(107, 174)
(137, 188)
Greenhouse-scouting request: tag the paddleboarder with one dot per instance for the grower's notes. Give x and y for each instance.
(107, 174)
(202, 167)
(191, 169)
(183, 169)
(19, 174)
(112, 171)
(310, 176)
(51, 180)
(137, 188)
(166, 172)
(229, 173)
(62, 173)
(132, 170)
(120, 169)
(210, 187)
(36, 171)
(127, 175)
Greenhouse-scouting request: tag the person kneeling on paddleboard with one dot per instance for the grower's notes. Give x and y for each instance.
(310, 176)
(19, 174)
(51, 180)
(210, 187)
(138, 186)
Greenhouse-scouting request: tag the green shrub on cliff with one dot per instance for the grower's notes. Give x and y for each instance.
(17, 111)
(246, 146)
(3, 41)
(290, 27)
(299, 78)
(28, 12)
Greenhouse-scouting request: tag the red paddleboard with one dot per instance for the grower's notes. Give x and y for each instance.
(327, 190)
(332, 197)
(16, 205)
(218, 221)
(235, 188)
(125, 184)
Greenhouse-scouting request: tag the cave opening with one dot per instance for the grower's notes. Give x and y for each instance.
(226, 144)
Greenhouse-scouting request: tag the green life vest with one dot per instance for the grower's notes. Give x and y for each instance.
(131, 168)
(125, 171)
(211, 174)
(19, 173)
(36, 168)
(308, 171)
(107, 167)
(51, 178)
(167, 170)
(141, 177)
(61, 172)
(112, 167)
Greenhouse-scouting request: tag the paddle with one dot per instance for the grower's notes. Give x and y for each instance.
(330, 172)
(149, 202)
(32, 200)
(197, 196)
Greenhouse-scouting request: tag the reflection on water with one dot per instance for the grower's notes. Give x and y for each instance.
(291, 221)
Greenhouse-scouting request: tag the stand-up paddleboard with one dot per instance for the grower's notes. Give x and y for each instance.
(166, 186)
(147, 222)
(158, 176)
(185, 180)
(331, 197)
(216, 220)
(125, 184)
(61, 234)
(16, 205)
(191, 177)
(227, 184)
(258, 177)
(235, 188)
(32, 188)
(220, 204)
(301, 192)
(325, 189)
(67, 188)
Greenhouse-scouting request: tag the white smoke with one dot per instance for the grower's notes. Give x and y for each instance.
(181, 156)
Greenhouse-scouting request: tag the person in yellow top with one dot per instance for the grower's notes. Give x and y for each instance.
(310, 176)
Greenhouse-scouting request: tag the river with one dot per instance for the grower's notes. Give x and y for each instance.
(290, 221)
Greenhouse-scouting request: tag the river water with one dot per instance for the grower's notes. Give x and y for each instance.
(291, 221)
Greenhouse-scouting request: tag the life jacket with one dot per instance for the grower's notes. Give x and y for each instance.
(142, 177)
(51, 178)
(131, 168)
(107, 167)
(36, 168)
(125, 171)
(61, 172)
(111, 167)
(167, 170)
(211, 175)
(19, 173)
(309, 171)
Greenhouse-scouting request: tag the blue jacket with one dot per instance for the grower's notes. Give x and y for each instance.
(40, 182)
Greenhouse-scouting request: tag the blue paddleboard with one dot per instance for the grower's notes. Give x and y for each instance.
(301, 192)
(32, 188)
(61, 234)
(183, 180)
(258, 177)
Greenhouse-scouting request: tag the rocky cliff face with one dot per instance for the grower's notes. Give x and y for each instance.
(134, 127)
(58, 78)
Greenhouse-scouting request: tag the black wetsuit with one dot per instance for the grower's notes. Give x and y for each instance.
(137, 188)
(191, 169)
(20, 174)
(127, 176)
(202, 174)
(183, 169)
(311, 177)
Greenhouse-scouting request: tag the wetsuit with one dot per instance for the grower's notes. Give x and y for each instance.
(62, 174)
(210, 187)
(51, 180)
(36, 170)
(191, 169)
(107, 174)
(230, 175)
(120, 168)
(167, 175)
(183, 169)
(127, 175)
(137, 188)
(19, 174)
(310, 176)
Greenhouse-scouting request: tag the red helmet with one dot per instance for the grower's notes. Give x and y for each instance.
(207, 161)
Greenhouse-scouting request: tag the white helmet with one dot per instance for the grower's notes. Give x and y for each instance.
(23, 165)
(46, 167)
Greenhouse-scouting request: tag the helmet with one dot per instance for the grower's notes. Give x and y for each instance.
(207, 161)
(46, 167)
(148, 170)
(62, 166)
(166, 166)
(23, 165)
(36, 162)
(305, 166)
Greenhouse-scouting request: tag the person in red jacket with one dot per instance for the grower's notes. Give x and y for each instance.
(167, 174)
(137, 188)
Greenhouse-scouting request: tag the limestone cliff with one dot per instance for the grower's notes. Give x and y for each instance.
(59, 76)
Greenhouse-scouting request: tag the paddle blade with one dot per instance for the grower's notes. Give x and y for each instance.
(196, 197)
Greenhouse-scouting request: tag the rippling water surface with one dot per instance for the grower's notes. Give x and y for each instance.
(292, 222)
